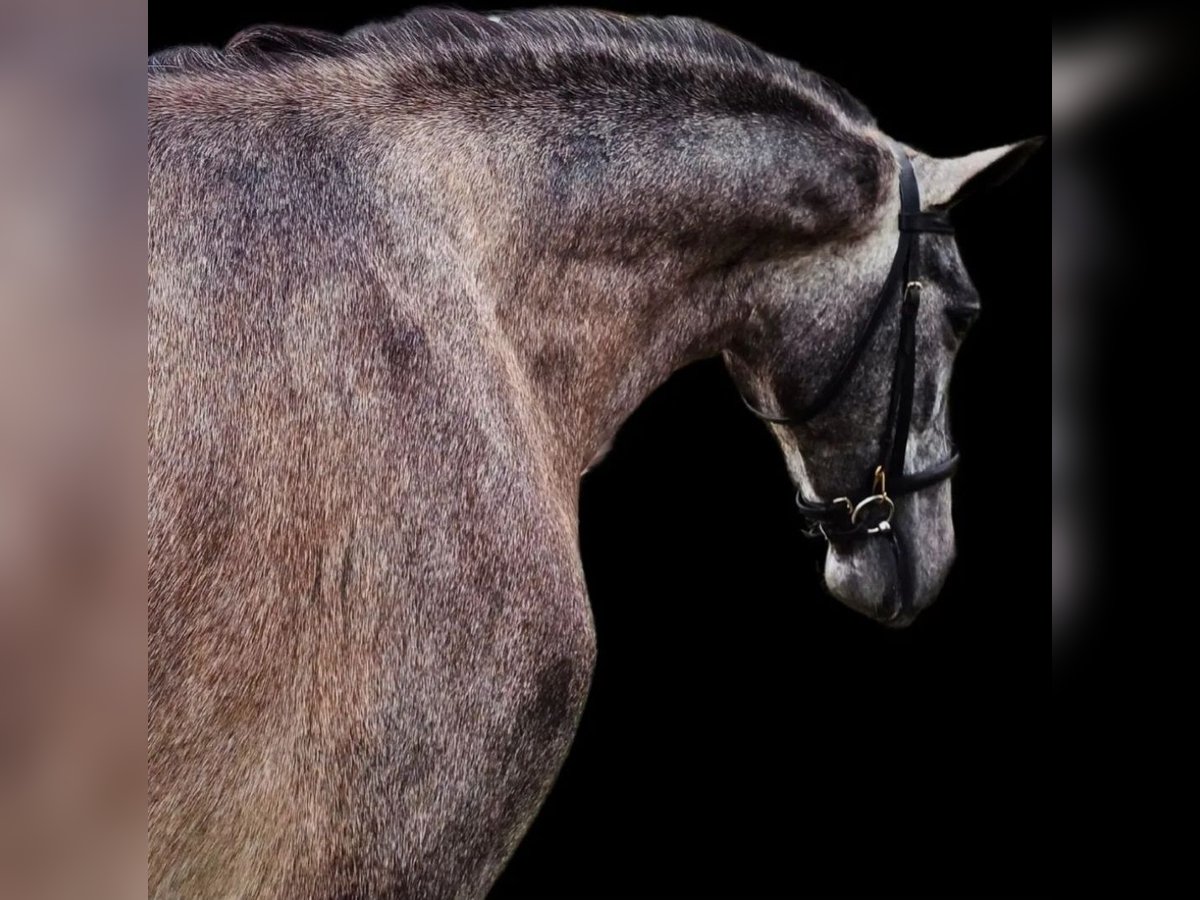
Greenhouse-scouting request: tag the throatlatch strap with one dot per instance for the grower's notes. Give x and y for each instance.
(849, 361)
(912, 222)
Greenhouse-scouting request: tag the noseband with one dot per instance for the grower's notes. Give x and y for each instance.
(845, 518)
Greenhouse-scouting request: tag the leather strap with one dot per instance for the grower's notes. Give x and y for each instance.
(849, 361)
(901, 272)
(895, 441)
(936, 221)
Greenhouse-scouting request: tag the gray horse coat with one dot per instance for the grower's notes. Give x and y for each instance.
(404, 286)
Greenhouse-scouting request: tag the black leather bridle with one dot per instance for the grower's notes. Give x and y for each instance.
(844, 518)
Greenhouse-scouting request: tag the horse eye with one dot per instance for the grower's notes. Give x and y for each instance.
(961, 318)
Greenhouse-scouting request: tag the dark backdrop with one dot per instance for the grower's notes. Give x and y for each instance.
(745, 734)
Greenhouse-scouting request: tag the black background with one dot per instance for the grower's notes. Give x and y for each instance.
(746, 735)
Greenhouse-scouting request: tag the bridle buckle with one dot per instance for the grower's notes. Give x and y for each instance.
(884, 502)
(878, 499)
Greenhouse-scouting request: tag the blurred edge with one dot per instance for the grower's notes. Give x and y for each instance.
(1116, 78)
(72, 456)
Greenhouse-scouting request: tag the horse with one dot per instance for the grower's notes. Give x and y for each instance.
(405, 285)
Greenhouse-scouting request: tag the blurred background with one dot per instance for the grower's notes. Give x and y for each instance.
(72, 451)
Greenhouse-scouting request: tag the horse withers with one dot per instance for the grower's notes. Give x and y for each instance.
(404, 286)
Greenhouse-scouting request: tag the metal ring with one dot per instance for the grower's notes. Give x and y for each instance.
(880, 499)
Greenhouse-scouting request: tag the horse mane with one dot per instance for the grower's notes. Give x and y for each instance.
(523, 44)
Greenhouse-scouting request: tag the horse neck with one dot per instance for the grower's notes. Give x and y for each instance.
(606, 254)
(594, 326)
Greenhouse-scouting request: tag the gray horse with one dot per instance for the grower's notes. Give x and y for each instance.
(404, 287)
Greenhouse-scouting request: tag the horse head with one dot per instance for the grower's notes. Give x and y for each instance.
(850, 366)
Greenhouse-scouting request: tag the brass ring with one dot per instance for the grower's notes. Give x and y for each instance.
(874, 499)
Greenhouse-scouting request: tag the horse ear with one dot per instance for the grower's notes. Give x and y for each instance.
(945, 182)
